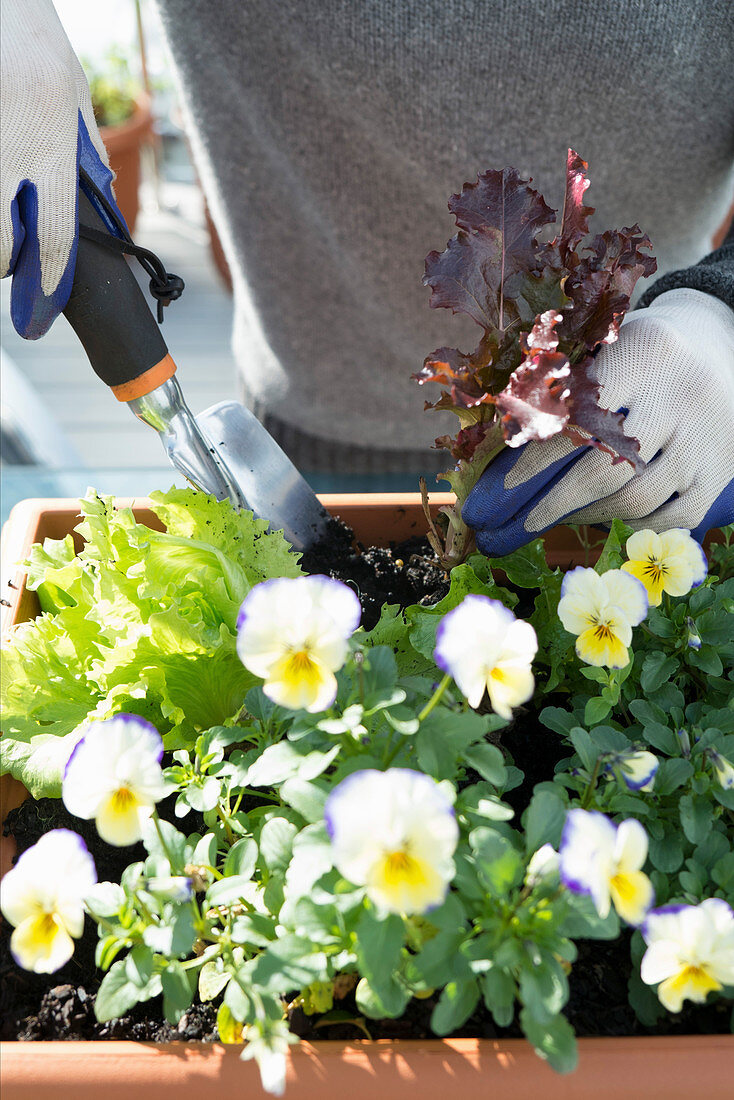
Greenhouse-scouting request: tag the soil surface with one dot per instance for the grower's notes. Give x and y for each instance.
(61, 1006)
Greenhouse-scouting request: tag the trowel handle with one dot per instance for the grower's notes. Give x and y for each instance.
(109, 313)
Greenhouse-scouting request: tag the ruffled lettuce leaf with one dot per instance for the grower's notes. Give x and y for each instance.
(544, 307)
(140, 621)
(499, 271)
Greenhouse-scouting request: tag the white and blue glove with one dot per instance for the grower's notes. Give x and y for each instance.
(47, 132)
(673, 369)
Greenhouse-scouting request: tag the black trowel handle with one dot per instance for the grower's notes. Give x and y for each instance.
(109, 313)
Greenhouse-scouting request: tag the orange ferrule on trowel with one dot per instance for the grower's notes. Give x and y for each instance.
(147, 381)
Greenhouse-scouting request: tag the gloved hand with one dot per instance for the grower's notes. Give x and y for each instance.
(47, 130)
(673, 369)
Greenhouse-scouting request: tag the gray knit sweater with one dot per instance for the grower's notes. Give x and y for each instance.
(329, 135)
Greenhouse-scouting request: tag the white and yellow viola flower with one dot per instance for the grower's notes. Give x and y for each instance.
(690, 951)
(395, 833)
(638, 768)
(723, 769)
(543, 865)
(114, 775)
(485, 648)
(601, 611)
(43, 897)
(671, 562)
(269, 1049)
(294, 633)
(605, 861)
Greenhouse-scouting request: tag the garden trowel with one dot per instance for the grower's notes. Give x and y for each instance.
(225, 450)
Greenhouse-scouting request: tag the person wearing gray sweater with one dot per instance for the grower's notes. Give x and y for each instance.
(329, 135)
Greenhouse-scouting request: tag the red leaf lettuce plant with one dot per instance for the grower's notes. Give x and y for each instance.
(545, 309)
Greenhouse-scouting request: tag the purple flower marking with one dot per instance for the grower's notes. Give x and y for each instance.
(699, 578)
(74, 751)
(244, 610)
(636, 784)
(151, 733)
(664, 910)
(574, 824)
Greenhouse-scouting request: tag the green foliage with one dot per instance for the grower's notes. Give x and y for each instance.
(112, 88)
(144, 621)
(141, 622)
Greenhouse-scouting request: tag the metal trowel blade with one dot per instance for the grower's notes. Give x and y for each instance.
(270, 483)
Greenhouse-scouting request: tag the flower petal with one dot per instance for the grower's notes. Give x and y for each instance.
(586, 855)
(692, 983)
(41, 944)
(508, 687)
(632, 894)
(643, 545)
(661, 960)
(639, 770)
(595, 648)
(404, 856)
(630, 848)
(651, 580)
(120, 818)
(628, 593)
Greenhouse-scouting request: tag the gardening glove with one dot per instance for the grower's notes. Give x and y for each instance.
(672, 372)
(48, 132)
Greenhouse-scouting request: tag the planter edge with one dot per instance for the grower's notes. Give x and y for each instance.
(662, 1068)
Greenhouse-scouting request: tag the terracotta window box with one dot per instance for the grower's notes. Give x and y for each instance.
(653, 1068)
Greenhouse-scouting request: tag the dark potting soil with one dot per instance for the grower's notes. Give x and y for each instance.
(61, 1005)
(405, 574)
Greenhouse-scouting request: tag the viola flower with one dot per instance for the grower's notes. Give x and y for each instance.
(114, 775)
(638, 769)
(671, 562)
(294, 633)
(604, 860)
(685, 742)
(176, 888)
(483, 646)
(269, 1048)
(723, 768)
(543, 864)
(693, 638)
(395, 833)
(690, 951)
(43, 897)
(601, 611)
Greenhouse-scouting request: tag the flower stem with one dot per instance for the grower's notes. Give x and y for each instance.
(227, 827)
(164, 845)
(435, 698)
(592, 785)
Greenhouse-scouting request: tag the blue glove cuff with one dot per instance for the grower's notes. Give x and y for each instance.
(720, 514)
(33, 312)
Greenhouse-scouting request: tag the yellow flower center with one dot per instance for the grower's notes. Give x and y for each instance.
(300, 665)
(697, 978)
(603, 631)
(46, 927)
(624, 887)
(654, 569)
(122, 800)
(400, 866)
